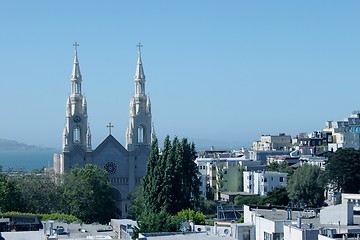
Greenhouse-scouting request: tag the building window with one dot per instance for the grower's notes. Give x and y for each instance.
(140, 135)
(281, 179)
(246, 234)
(278, 236)
(265, 179)
(76, 135)
(267, 236)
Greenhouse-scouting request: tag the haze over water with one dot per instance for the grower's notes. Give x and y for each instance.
(26, 160)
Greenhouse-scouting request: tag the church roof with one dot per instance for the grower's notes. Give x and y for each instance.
(110, 140)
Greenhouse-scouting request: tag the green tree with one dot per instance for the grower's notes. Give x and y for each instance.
(9, 195)
(240, 200)
(307, 186)
(151, 182)
(281, 167)
(170, 185)
(171, 181)
(278, 196)
(158, 222)
(88, 194)
(342, 170)
(208, 207)
(167, 167)
(138, 203)
(39, 193)
(185, 181)
(189, 214)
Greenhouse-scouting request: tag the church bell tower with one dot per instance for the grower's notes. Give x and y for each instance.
(76, 132)
(139, 131)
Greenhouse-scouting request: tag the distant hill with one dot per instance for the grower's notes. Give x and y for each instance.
(10, 145)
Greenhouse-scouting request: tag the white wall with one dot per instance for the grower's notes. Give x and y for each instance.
(261, 186)
(342, 213)
(292, 233)
(28, 235)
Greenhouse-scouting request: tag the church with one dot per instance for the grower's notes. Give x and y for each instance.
(126, 165)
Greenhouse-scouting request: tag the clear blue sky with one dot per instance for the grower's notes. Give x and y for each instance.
(223, 71)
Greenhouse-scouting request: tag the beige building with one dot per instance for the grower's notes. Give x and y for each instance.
(273, 142)
(345, 133)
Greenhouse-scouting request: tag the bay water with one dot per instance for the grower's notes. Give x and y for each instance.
(26, 160)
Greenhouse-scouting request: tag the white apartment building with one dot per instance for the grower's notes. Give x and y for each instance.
(263, 182)
(314, 161)
(333, 222)
(212, 162)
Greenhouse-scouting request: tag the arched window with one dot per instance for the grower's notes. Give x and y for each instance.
(141, 134)
(76, 135)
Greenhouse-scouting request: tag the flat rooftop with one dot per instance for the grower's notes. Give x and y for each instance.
(81, 231)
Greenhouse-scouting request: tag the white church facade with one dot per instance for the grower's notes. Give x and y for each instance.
(126, 165)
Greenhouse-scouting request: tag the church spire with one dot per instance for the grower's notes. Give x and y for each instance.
(139, 75)
(76, 77)
(77, 132)
(139, 130)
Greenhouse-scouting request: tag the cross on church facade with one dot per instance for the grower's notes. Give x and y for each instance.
(110, 126)
(76, 45)
(139, 46)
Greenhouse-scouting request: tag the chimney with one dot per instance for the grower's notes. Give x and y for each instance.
(289, 214)
(298, 224)
(51, 228)
(44, 227)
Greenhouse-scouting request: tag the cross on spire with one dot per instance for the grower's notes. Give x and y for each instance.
(110, 126)
(139, 46)
(76, 45)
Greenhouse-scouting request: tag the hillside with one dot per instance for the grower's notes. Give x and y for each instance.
(10, 145)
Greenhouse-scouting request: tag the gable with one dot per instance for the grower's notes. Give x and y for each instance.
(111, 153)
(110, 143)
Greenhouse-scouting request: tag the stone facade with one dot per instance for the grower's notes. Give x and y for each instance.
(126, 165)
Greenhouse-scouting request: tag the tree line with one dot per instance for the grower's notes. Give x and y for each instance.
(83, 192)
(169, 190)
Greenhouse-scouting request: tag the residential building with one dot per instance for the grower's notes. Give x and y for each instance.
(353, 198)
(262, 156)
(279, 159)
(345, 133)
(222, 171)
(313, 143)
(263, 182)
(314, 161)
(279, 142)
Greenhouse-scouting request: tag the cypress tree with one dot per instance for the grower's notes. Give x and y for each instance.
(171, 182)
(177, 183)
(150, 183)
(166, 168)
